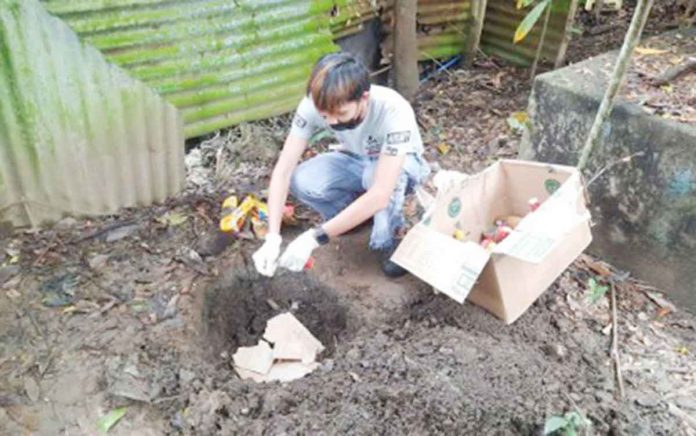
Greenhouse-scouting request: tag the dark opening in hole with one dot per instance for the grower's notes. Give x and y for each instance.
(236, 309)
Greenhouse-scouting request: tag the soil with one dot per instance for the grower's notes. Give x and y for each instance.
(137, 310)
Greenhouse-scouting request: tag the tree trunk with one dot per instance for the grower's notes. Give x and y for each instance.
(640, 16)
(567, 32)
(478, 15)
(405, 48)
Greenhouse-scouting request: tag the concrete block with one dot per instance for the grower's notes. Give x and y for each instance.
(644, 210)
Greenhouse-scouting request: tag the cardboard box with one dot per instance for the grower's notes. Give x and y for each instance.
(509, 279)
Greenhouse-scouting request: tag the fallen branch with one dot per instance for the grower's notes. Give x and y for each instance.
(601, 29)
(675, 71)
(615, 342)
(99, 232)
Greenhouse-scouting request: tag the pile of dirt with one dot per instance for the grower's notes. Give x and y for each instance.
(437, 367)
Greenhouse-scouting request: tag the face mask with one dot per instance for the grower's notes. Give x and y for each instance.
(348, 125)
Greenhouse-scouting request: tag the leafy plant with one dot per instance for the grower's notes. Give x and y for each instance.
(531, 18)
(110, 419)
(518, 121)
(566, 425)
(597, 290)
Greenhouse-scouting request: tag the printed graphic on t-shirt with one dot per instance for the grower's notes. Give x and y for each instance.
(371, 146)
(299, 121)
(398, 137)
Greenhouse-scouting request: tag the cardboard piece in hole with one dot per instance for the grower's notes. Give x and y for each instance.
(293, 355)
(509, 279)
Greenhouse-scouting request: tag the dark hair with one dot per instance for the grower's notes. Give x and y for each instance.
(337, 79)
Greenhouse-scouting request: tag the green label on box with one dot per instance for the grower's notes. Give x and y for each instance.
(454, 208)
(552, 185)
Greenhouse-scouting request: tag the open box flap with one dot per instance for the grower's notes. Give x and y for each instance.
(450, 266)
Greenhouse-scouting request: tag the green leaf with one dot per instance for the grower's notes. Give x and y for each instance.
(554, 423)
(172, 219)
(597, 291)
(110, 419)
(518, 121)
(523, 3)
(529, 21)
(575, 418)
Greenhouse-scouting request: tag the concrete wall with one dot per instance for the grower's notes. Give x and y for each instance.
(644, 210)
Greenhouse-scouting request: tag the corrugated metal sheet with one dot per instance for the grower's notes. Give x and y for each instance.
(349, 19)
(443, 28)
(77, 134)
(220, 62)
(502, 18)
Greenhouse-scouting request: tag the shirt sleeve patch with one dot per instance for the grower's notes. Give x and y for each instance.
(398, 137)
(299, 121)
(390, 150)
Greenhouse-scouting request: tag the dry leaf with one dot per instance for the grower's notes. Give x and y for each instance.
(647, 51)
(664, 311)
(443, 148)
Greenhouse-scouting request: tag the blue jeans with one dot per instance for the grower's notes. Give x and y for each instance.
(329, 182)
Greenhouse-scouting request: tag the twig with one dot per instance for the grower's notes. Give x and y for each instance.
(380, 71)
(49, 361)
(169, 398)
(615, 342)
(675, 71)
(35, 324)
(599, 30)
(46, 250)
(106, 229)
(676, 411)
(577, 409)
(542, 41)
(611, 165)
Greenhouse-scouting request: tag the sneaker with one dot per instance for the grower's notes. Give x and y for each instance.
(389, 268)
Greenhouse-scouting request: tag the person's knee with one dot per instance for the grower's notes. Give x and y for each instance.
(304, 185)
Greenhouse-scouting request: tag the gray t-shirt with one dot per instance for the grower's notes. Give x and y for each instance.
(390, 125)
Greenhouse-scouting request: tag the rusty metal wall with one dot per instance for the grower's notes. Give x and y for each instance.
(502, 18)
(349, 19)
(443, 28)
(78, 136)
(220, 62)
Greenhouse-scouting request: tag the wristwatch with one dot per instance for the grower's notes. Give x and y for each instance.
(321, 236)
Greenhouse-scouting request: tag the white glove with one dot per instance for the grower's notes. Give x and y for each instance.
(266, 257)
(299, 251)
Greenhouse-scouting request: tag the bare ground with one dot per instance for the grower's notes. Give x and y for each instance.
(122, 311)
